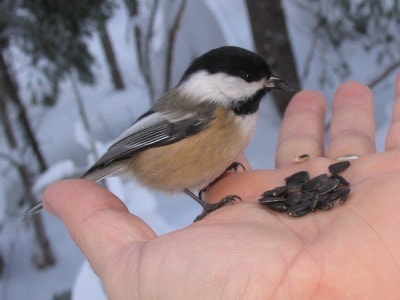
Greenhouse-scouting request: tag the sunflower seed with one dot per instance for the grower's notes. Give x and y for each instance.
(299, 210)
(272, 199)
(315, 183)
(278, 206)
(340, 179)
(302, 157)
(348, 157)
(328, 186)
(344, 195)
(276, 192)
(299, 177)
(338, 167)
(292, 199)
(325, 205)
(293, 188)
(334, 194)
(301, 195)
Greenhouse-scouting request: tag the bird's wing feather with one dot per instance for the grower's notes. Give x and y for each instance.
(152, 130)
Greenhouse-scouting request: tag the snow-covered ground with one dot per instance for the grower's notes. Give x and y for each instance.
(110, 112)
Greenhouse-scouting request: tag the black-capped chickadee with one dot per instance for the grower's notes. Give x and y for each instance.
(196, 130)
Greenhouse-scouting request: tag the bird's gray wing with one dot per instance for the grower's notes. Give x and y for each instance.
(151, 130)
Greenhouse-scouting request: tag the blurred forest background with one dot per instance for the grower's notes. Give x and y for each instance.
(44, 51)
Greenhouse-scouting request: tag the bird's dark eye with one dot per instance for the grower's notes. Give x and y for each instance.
(246, 76)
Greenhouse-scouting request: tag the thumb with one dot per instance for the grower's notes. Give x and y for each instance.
(97, 221)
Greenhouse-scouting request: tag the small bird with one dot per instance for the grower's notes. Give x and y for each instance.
(195, 131)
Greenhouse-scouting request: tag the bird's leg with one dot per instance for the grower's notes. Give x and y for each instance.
(234, 166)
(210, 207)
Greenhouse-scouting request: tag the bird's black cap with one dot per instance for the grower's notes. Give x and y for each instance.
(233, 61)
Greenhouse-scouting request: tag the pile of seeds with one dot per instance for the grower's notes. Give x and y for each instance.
(302, 195)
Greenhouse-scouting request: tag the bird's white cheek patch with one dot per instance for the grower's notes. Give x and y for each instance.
(220, 88)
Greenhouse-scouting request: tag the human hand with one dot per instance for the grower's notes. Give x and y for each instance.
(244, 251)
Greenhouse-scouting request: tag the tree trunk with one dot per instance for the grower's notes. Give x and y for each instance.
(10, 95)
(143, 39)
(272, 42)
(10, 88)
(110, 57)
(7, 123)
(171, 44)
(46, 256)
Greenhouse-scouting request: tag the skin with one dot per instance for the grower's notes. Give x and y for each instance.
(244, 251)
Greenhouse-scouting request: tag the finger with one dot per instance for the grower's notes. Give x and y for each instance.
(393, 135)
(98, 222)
(302, 128)
(352, 129)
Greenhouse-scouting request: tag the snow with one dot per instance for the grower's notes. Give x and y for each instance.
(57, 171)
(233, 21)
(88, 285)
(20, 279)
(66, 148)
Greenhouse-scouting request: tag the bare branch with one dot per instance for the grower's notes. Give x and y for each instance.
(395, 66)
(10, 87)
(310, 56)
(171, 44)
(83, 115)
(146, 53)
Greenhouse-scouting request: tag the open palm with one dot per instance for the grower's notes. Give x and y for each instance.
(245, 251)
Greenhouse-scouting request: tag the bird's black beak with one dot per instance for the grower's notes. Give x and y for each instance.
(278, 83)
